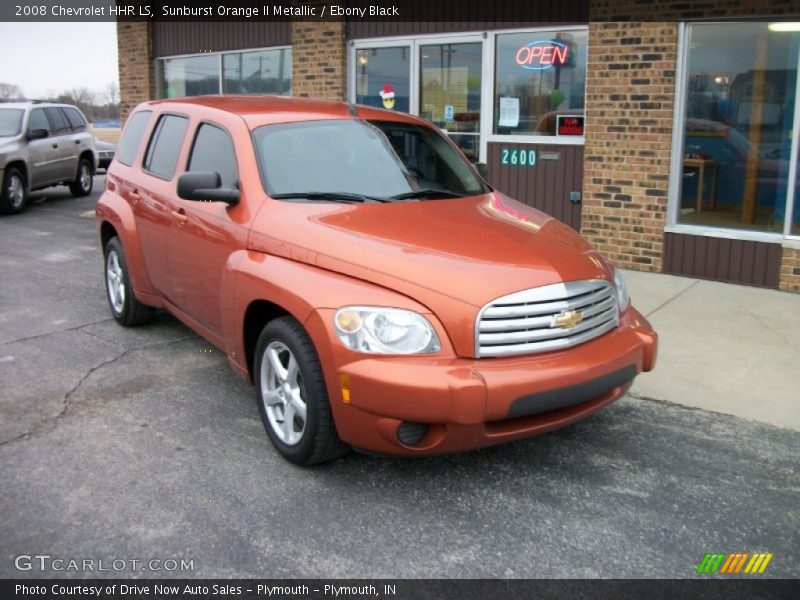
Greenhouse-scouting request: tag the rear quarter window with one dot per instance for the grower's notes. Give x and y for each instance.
(132, 136)
(165, 145)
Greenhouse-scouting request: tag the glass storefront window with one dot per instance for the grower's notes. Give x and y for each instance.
(383, 77)
(450, 92)
(190, 76)
(539, 76)
(737, 130)
(259, 72)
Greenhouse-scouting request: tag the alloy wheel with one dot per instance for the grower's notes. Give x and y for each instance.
(85, 177)
(282, 393)
(115, 282)
(15, 191)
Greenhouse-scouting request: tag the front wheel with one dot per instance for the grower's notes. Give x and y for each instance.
(125, 308)
(292, 398)
(12, 196)
(84, 180)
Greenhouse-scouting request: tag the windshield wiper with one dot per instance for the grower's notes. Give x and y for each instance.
(427, 193)
(333, 196)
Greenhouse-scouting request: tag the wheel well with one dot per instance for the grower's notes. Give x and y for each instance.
(88, 155)
(258, 314)
(107, 232)
(22, 168)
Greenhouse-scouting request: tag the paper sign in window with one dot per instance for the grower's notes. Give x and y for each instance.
(509, 112)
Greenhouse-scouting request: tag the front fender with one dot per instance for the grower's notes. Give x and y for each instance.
(113, 209)
(298, 288)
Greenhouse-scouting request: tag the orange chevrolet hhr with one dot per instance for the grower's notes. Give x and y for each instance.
(355, 266)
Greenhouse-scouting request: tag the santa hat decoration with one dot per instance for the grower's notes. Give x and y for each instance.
(387, 92)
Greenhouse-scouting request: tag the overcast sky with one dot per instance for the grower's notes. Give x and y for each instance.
(47, 58)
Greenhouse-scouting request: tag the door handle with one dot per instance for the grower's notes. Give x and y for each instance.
(180, 216)
(55, 145)
(134, 196)
(77, 141)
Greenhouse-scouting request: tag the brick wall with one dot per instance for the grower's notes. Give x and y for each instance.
(630, 90)
(136, 77)
(790, 270)
(686, 10)
(319, 67)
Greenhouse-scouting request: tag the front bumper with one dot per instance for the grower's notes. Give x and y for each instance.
(471, 403)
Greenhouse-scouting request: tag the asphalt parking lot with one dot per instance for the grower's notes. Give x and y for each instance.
(142, 443)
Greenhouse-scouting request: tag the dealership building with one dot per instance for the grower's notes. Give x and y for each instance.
(671, 145)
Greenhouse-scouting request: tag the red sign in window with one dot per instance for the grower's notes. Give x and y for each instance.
(570, 124)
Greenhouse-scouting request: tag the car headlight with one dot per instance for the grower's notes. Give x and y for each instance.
(378, 330)
(623, 300)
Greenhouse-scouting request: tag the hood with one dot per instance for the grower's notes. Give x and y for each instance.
(468, 249)
(9, 142)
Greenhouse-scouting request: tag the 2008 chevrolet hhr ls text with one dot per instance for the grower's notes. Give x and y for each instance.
(354, 265)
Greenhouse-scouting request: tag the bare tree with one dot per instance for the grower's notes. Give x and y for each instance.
(111, 93)
(80, 97)
(10, 91)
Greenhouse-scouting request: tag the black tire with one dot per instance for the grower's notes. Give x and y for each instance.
(318, 441)
(14, 195)
(129, 311)
(84, 179)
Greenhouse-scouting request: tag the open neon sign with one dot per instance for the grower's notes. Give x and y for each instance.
(544, 54)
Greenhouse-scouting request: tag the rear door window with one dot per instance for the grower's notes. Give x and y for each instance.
(213, 151)
(75, 119)
(132, 136)
(58, 121)
(165, 145)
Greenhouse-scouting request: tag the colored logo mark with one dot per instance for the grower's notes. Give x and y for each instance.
(736, 562)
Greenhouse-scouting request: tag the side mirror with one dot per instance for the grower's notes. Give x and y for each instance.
(483, 170)
(205, 186)
(37, 134)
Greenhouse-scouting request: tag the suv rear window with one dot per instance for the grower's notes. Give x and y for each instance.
(74, 117)
(132, 136)
(164, 146)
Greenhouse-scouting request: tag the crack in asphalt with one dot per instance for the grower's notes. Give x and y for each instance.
(42, 335)
(41, 426)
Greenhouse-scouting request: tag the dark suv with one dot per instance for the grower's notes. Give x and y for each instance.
(43, 144)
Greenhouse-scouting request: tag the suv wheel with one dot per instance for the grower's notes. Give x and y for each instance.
(125, 308)
(13, 194)
(82, 186)
(292, 398)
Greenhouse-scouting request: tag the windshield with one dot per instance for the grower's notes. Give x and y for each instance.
(10, 121)
(378, 159)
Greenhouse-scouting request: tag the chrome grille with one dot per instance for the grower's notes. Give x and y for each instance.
(525, 322)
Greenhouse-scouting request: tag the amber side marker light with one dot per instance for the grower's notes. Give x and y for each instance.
(344, 382)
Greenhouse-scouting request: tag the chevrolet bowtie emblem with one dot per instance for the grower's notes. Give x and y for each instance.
(568, 318)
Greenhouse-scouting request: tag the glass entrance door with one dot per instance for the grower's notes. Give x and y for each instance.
(438, 78)
(450, 91)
